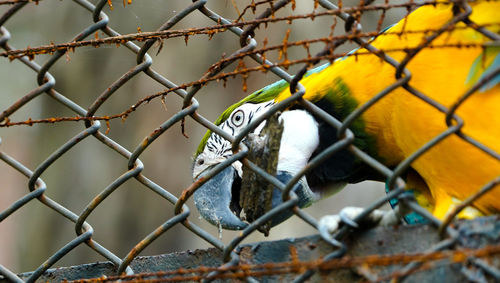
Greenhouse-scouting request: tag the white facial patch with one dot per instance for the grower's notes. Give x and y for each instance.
(299, 140)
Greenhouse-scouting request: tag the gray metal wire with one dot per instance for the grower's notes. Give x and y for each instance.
(93, 130)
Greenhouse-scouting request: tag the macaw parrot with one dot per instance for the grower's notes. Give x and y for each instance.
(390, 130)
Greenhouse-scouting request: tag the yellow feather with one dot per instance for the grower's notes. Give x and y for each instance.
(402, 123)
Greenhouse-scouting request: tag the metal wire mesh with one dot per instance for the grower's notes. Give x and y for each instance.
(143, 42)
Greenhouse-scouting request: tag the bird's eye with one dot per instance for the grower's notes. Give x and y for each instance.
(200, 162)
(238, 118)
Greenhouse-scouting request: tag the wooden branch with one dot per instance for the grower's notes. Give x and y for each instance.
(256, 192)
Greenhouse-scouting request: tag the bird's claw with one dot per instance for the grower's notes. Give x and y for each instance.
(348, 214)
(330, 224)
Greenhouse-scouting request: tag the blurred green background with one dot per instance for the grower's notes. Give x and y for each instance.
(34, 232)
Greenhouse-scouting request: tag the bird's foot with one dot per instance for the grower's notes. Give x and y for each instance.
(330, 224)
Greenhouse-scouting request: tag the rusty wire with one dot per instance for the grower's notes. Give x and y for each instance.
(12, 2)
(296, 266)
(166, 34)
(187, 91)
(5, 121)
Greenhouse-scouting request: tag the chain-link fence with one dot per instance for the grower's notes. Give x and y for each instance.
(107, 120)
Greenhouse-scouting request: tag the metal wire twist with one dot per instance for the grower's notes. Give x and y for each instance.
(244, 32)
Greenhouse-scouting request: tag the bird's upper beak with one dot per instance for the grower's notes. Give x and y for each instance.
(217, 200)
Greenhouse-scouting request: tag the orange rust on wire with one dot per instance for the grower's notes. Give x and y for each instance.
(307, 42)
(222, 76)
(283, 50)
(30, 121)
(108, 127)
(48, 49)
(235, 6)
(190, 191)
(244, 75)
(381, 18)
(264, 68)
(140, 36)
(12, 2)
(397, 274)
(294, 255)
(252, 6)
(296, 266)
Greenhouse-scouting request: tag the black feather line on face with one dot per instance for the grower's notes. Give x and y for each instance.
(210, 147)
(250, 116)
(232, 129)
(218, 139)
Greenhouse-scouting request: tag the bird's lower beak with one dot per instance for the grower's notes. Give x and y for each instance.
(304, 194)
(217, 200)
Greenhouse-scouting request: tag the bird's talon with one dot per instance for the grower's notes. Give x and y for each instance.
(347, 220)
(327, 226)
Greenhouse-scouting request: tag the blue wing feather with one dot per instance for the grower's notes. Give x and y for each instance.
(484, 65)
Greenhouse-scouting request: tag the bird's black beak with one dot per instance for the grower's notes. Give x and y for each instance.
(217, 200)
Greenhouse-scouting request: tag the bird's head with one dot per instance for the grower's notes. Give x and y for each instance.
(217, 199)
